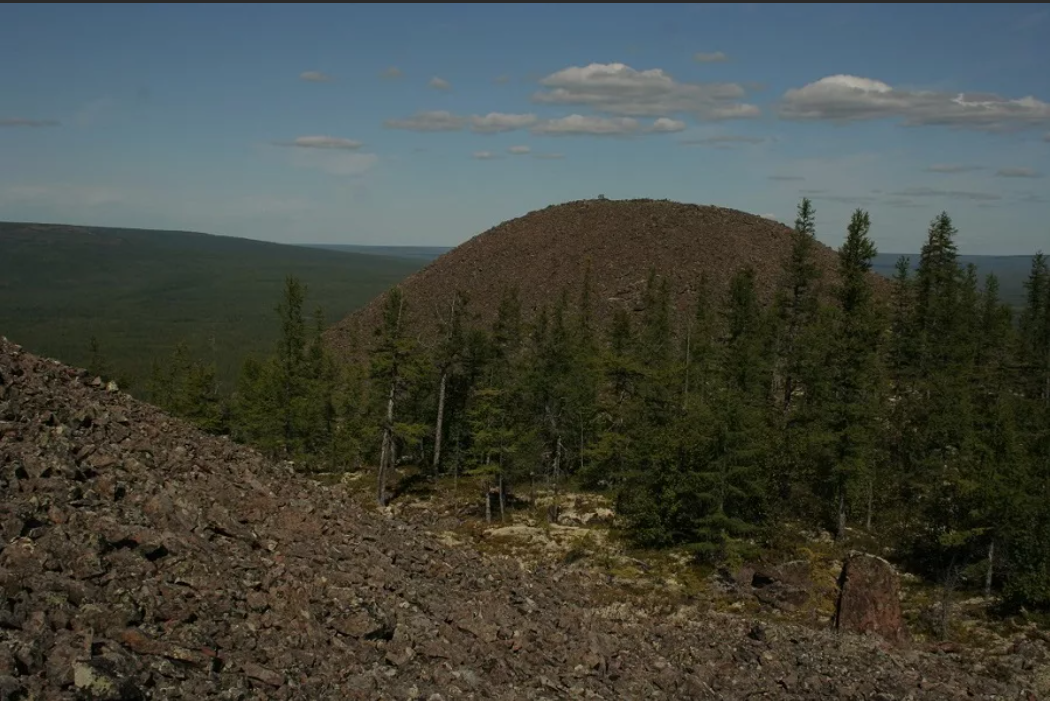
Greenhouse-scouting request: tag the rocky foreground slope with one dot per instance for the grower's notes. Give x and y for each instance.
(141, 559)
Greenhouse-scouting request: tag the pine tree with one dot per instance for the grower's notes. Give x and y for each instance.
(290, 360)
(699, 360)
(797, 301)
(854, 371)
(450, 356)
(394, 366)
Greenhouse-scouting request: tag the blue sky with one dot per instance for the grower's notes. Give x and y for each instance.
(427, 124)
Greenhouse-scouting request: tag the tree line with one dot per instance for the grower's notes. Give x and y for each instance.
(921, 418)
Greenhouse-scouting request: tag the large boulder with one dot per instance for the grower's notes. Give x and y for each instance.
(869, 598)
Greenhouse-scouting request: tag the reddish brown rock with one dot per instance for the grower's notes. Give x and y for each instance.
(192, 568)
(545, 252)
(869, 598)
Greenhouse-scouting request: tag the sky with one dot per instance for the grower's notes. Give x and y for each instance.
(426, 124)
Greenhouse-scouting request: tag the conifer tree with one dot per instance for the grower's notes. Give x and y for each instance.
(794, 317)
(450, 357)
(854, 371)
(797, 301)
(394, 367)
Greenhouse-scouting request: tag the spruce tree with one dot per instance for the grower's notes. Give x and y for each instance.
(395, 366)
(854, 372)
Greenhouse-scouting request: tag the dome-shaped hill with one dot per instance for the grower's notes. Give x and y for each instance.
(546, 252)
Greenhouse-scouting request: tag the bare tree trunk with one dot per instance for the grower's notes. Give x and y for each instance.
(388, 448)
(440, 428)
(488, 494)
(871, 504)
(386, 458)
(556, 484)
(502, 497)
(840, 529)
(989, 573)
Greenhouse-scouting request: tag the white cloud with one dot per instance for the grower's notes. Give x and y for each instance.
(580, 125)
(439, 83)
(933, 192)
(315, 77)
(1018, 173)
(392, 73)
(847, 98)
(498, 122)
(439, 120)
(725, 141)
(664, 125)
(31, 123)
(952, 168)
(519, 150)
(712, 57)
(620, 90)
(322, 142)
(484, 155)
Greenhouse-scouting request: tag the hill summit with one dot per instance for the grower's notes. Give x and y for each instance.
(546, 253)
(142, 559)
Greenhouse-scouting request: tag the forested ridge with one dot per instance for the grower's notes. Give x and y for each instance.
(921, 419)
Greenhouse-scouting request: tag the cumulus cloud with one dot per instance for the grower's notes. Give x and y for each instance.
(498, 122)
(439, 83)
(314, 77)
(847, 98)
(31, 123)
(712, 57)
(519, 150)
(664, 125)
(322, 142)
(725, 141)
(392, 73)
(952, 168)
(483, 155)
(933, 192)
(580, 125)
(439, 120)
(620, 90)
(1018, 173)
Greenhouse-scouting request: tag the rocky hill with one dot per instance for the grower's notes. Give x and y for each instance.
(547, 251)
(142, 559)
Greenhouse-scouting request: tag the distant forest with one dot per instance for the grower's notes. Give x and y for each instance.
(921, 419)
